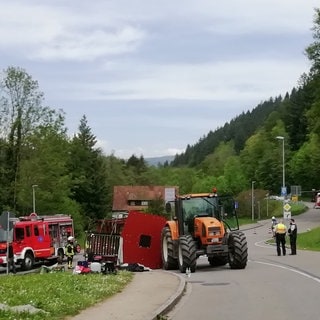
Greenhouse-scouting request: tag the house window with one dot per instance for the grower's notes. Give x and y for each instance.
(138, 203)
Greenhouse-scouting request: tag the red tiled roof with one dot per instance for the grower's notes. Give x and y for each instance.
(123, 194)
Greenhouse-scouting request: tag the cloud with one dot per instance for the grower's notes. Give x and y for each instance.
(90, 45)
(55, 33)
(225, 80)
(143, 71)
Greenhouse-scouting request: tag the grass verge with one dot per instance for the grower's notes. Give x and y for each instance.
(309, 240)
(57, 295)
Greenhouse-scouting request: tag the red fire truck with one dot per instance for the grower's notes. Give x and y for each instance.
(38, 239)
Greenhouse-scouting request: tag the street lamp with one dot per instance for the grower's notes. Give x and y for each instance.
(283, 191)
(34, 197)
(252, 199)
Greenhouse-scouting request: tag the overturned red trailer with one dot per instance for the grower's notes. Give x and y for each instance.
(135, 239)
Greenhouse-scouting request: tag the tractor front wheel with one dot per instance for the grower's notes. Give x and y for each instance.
(238, 250)
(169, 262)
(187, 256)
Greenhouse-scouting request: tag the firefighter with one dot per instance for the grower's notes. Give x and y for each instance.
(70, 251)
(280, 231)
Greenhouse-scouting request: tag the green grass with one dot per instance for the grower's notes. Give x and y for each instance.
(309, 240)
(58, 295)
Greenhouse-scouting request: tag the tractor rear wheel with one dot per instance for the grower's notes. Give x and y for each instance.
(169, 262)
(238, 250)
(187, 256)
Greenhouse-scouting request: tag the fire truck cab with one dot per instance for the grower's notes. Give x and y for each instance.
(38, 239)
(32, 243)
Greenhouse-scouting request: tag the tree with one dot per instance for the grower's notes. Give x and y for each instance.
(87, 167)
(21, 112)
(313, 50)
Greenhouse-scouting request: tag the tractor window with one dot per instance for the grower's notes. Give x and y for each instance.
(199, 207)
(228, 213)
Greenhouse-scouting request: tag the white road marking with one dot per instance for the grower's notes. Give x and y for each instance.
(289, 269)
(263, 244)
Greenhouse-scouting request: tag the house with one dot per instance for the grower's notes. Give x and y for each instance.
(127, 198)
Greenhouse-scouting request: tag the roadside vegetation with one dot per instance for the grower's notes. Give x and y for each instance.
(309, 240)
(58, 295)
(275, 208)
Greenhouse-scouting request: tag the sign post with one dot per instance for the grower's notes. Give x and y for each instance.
(287, 211)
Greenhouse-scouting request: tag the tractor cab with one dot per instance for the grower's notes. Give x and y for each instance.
(188, 207)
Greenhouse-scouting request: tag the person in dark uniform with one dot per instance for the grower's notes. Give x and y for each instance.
(293, 232)
(11, 263)
(280, 234)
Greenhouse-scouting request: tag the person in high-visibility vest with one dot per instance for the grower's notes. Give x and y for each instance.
(280, 231)
(70, 251)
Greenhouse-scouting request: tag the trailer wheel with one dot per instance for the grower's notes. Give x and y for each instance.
(238, 250)
(28, 261)
(187, 257)
(169, 262)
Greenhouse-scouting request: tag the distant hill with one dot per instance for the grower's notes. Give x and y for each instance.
(158, 160)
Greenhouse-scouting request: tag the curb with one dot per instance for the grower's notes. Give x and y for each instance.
(169, 304)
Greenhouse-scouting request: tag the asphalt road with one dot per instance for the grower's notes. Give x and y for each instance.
(271, 287)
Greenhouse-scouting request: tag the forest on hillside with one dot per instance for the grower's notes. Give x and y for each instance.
(71, 175)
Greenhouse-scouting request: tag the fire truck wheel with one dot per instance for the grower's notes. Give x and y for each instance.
(238, 250)
(28, 261)
(167, 250)
(187, 256)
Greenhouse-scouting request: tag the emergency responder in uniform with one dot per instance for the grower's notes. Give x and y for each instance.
(70, 251)
(11, 263)
(280, 231)
(293, 231)
(273, 225)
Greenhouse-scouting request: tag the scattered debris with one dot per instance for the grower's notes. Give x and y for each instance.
(23, 308)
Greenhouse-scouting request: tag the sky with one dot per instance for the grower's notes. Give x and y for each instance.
(154, 76)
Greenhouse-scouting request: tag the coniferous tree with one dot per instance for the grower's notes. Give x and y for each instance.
(88, 171)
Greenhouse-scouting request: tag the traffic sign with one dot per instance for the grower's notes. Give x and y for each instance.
(283, 191)
(287, 215)
(287, 207)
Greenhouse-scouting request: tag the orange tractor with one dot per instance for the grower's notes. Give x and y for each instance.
(203, 224)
